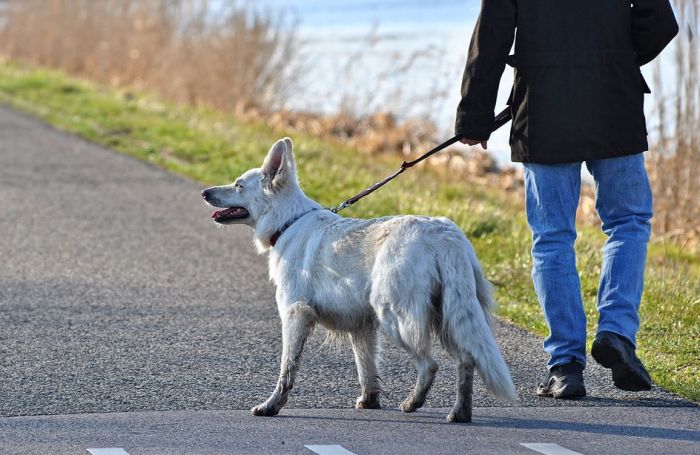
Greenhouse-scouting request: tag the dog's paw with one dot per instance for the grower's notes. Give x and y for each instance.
(459, 417)
(371, 402)
(265, 410)
(409, 405)
(412, 403)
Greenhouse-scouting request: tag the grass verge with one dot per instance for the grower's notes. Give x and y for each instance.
(213, 148)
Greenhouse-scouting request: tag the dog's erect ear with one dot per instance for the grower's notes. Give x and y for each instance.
(279, 166)
(274, 159)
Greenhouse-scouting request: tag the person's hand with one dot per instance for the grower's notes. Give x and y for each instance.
(474, 142)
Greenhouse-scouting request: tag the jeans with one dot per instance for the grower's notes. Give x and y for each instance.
(624, 204)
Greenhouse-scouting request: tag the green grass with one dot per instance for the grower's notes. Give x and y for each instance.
(213, 148)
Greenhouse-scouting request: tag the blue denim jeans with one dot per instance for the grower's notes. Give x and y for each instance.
(624, 204)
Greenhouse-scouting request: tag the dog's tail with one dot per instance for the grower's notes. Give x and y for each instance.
(467, 321)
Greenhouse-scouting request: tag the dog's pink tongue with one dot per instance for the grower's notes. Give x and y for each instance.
(226, 212)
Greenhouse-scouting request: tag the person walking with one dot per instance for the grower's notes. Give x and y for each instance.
(578, 96)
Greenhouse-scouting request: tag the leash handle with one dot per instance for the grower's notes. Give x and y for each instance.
(501, 119)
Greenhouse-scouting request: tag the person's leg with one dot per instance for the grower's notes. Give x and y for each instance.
(624, 204)
(551, 198)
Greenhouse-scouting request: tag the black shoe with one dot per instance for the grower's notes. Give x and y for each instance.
(563, 381)
(617, 353)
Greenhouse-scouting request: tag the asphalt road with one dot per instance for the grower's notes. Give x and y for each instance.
(586, 431)
(118, 294)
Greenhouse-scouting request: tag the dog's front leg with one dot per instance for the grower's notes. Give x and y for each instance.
(297, 323)
(364, 345)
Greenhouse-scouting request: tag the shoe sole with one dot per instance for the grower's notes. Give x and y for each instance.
(560, 396)
(570, 395)
(624, 377)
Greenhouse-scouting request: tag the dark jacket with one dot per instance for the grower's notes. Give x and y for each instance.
(578, 92)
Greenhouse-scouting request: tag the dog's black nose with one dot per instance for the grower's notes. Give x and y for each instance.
(205, 194)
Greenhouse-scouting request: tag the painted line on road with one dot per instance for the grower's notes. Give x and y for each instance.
(548, 448)
(108, 451)
(329, 450)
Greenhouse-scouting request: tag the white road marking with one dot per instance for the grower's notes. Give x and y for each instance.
(548, 448)
(108, 451)
(329, 450)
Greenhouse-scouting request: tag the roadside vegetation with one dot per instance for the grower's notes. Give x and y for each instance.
(240, 57)
(213, 147)
(230, 57)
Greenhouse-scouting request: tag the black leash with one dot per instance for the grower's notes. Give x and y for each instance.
(501, 119)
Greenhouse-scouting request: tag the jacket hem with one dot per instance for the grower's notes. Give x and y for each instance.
(576, 158)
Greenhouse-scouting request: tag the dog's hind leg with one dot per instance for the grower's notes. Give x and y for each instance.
(426, 368)
(297, 325)
(414, 333)
(462, 410)
(364, 345)
(408, 324)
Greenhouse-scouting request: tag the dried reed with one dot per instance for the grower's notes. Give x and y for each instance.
(229, 58)
(674, 164)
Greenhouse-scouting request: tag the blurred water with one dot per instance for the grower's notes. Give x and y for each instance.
(340, 13)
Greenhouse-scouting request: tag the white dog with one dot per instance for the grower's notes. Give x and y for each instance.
(410, 275)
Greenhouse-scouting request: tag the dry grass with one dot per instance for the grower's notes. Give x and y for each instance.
(233, 58)
(379, 132)
(674, 164)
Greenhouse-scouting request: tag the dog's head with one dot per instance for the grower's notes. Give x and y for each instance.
(254, 194)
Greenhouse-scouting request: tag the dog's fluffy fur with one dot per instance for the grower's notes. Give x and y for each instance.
(410, 275)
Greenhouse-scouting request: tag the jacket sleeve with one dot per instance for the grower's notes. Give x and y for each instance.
(653, 27)
(490, 44)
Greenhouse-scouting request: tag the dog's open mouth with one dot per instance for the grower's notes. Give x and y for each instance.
(229, 215)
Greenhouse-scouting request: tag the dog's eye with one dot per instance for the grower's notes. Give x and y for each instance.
(238, 187)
